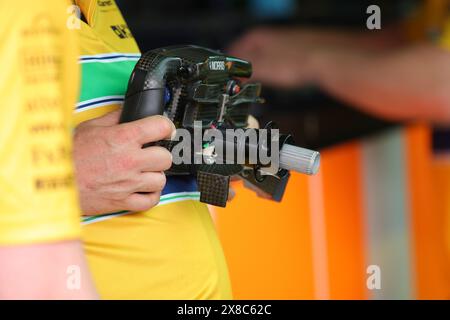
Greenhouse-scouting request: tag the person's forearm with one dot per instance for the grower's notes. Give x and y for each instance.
(389, 38)
(45, 271)
(408, 84)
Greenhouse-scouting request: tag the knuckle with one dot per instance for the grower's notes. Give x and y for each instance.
(126, 134)
(166, 159)
(161, 157)
(124, 162)
(164, 126)
(154, 182)
(161, 181)
(133, 205)
(146, 202)
(154, 198)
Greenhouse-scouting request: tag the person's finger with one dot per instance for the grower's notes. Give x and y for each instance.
(150, 129)
(151, 182)
(141, 201)
(252, 122)
(154, 159)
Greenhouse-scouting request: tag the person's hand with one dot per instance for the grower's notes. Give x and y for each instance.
(290, 57)
(113, 171)
(280, 57)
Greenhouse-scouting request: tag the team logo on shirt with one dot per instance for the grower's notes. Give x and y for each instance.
(122, 31)
(104, 3)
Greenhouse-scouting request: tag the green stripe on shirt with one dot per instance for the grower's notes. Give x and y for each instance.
(104, 79)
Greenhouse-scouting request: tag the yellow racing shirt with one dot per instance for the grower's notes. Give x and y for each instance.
(38, 88)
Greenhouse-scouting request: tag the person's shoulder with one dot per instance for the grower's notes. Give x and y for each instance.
(34, 13)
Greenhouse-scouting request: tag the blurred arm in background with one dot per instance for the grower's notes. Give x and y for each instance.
(378, 73)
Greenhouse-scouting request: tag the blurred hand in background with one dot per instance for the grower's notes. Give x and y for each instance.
(378, 73)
